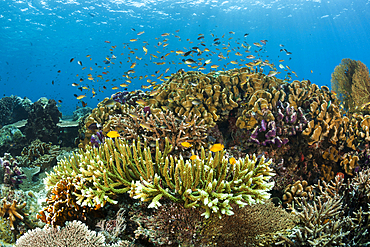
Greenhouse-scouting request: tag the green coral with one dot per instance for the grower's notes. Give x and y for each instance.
(209, 182)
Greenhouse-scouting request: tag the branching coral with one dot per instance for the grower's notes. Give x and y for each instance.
(12, 211)
(11, 172)
(209, 181)
(151, 128)
(75, 233)
(62, 205)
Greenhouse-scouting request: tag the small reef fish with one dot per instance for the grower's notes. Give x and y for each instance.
(141, 102)
(232, 160)
(81, 96)
(186, 144)
(193, 157)
(217, 147)
(113, 134)
(145, 126)
(109, 103)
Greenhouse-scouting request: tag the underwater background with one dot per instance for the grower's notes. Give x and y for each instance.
(184, 123)
(40, 37)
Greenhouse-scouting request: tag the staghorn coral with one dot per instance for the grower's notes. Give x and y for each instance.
(209, 182)
(321, 224)
(151, 128)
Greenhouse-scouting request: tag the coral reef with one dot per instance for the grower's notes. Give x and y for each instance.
(62, 205)
(40, 154)
(351, 81)
(172, 225)
(151, 128)
(212, 96)
(12, 140)
(12, 211)
(75, 233)
(209, 181)
(13, 109)
(42, 121)
(10, 172)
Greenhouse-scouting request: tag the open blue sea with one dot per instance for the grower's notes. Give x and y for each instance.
(47, 45)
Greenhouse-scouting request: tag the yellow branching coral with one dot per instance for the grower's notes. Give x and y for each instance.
(209, 182)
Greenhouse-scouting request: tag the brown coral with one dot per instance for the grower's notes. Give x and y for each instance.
(40, 154)
(151, 128)
(12, 211)
(62, 205)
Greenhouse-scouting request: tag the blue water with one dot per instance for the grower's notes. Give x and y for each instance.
(39, 38)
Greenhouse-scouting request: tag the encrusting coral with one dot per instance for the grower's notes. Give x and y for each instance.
(209, 181)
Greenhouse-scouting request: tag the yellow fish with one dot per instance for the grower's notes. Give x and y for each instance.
(145, 126)
(186, 144)
(113, 134)
(232, 160)
(81, 96)
(193, 157)
(141, 102)
(217, 147)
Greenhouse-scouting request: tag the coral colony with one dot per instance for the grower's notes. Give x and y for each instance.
(228, 158)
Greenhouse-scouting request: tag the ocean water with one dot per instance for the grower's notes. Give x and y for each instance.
(39, 38)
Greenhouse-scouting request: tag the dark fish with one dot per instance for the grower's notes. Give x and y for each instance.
(71, 60)
(91, 14)
(201, 37)
(79, 62)
(245, 35)
(187, 53)
(93, 126)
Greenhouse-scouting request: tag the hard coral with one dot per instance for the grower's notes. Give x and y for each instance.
(209, 182)
(211, 96)
(12, 211)
(40, 154)
(13, 109)
(62, 205)
(75, 233)
(42, 121)
(13, 175)
(151, 128)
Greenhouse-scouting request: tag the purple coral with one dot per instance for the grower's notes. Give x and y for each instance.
(288, 122)
(13, 175)
(97, 139)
